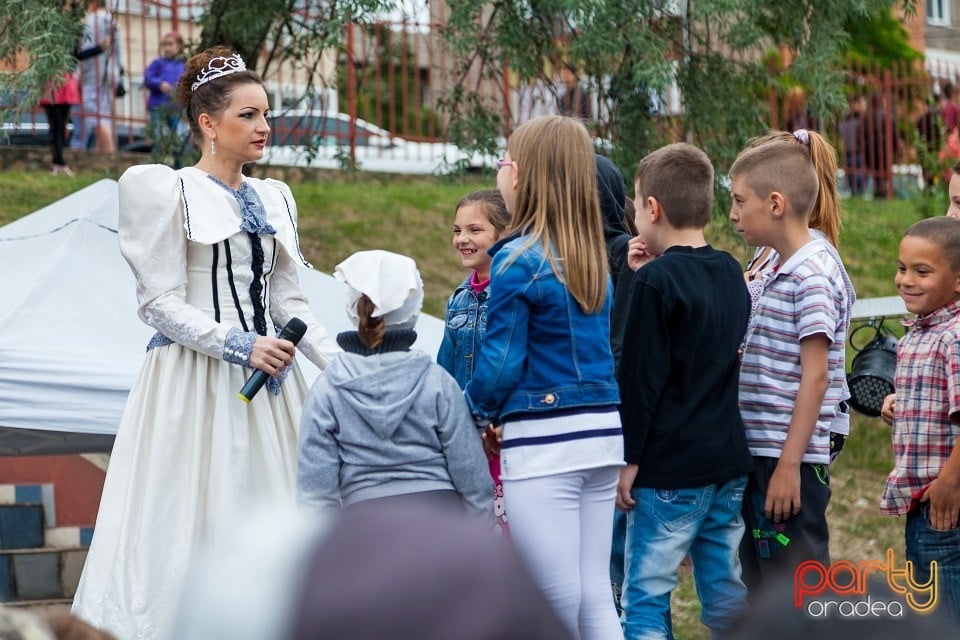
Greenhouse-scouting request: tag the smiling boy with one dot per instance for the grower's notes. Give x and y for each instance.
(925, 482)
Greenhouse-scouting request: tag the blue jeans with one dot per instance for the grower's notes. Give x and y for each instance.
(853, 170)
(665, 526)
(168, 135)
(164, 121)
(617, 555)
(925, 544)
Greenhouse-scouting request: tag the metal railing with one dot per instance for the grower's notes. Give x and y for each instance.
(389, 78)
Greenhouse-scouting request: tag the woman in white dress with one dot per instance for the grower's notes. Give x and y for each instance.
(214, 254)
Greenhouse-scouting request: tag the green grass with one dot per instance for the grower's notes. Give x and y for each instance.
(414, 216)
(24, 192)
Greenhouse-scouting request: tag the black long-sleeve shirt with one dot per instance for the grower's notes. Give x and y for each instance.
(679, 370)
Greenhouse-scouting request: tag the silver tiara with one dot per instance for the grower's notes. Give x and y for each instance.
(218, 67)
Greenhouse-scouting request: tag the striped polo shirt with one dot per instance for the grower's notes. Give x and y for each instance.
(805, 297)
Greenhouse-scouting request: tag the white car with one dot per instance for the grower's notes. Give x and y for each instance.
(316, 138)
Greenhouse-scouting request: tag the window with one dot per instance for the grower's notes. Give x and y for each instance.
(938, 12)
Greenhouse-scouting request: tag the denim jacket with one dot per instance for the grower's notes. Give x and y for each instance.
(541, 352)
(466, 322)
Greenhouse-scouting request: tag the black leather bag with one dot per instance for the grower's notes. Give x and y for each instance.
(121, 87)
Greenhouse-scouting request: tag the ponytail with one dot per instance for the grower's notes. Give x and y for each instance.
(371, 329)
(825, 216)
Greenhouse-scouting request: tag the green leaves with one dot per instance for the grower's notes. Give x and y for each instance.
(37, 40)
(633, 54)
(722, 63)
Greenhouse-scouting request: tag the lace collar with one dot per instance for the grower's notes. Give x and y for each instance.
(252, 211)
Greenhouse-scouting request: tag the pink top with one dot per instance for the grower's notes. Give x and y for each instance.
(66, 93)
(476, 285)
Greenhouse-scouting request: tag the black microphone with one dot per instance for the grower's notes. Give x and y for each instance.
(292, 331)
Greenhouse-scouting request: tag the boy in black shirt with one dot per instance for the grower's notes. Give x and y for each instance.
(685, 445)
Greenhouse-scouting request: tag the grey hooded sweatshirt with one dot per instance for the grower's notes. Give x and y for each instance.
(388, 422)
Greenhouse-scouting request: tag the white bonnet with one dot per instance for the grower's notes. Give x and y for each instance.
(390, 280)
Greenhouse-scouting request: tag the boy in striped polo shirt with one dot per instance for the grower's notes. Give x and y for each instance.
(925, 411)
(792, 363)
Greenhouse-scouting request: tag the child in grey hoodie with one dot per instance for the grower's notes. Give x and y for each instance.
(384, 421)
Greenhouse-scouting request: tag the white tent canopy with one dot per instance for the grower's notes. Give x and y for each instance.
(71, 343)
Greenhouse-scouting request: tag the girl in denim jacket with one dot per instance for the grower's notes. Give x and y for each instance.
(546, 371)
(480, 219)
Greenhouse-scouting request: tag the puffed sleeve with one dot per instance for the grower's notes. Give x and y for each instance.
(287, 299)
(154, 243)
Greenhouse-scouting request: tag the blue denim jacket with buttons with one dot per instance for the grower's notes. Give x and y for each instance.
(541, 352)
(465, 325)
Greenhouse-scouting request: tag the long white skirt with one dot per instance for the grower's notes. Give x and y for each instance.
(189, 455)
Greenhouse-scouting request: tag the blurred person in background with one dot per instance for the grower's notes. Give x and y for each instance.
(160, 80)
(99, 75)
(56, 104)
(573, 100)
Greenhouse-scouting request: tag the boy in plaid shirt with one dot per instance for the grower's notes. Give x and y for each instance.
(925, 410)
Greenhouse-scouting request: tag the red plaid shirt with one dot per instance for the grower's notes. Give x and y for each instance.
(927, 381)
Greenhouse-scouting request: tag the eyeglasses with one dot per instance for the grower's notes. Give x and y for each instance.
(505, 163)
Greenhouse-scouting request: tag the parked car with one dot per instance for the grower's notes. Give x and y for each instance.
(132, 136)
(28, 127)
(315, 138)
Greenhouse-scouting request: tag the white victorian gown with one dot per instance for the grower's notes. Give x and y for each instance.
(215, 268)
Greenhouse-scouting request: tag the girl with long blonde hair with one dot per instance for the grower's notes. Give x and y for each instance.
(545, 371)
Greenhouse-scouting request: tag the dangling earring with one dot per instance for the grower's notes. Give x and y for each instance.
(213, 148)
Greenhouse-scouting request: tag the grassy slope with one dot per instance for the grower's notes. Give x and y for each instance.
(414, 216)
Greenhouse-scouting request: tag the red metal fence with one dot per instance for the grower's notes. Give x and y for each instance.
(393, 75)
(896, 126)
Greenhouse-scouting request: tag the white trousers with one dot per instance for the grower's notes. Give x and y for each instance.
(560, 525)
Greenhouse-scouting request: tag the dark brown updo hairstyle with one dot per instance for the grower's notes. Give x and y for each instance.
(371, 329)
(211, 97)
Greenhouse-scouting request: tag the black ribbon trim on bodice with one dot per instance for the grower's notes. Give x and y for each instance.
(256, 285)
(253, 221)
